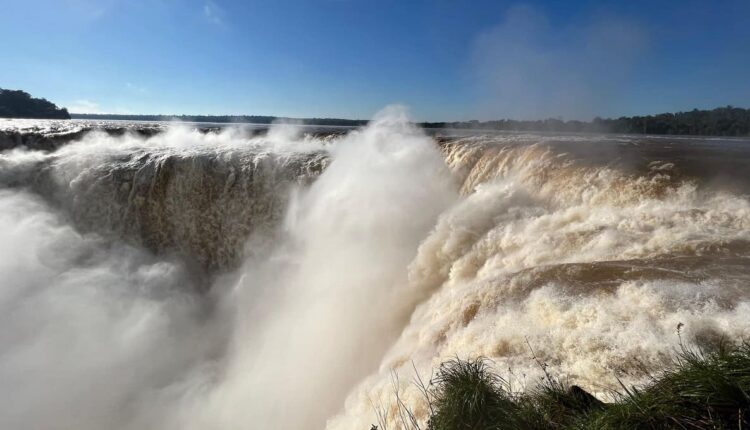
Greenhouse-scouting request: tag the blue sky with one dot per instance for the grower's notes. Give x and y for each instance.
(445, 59)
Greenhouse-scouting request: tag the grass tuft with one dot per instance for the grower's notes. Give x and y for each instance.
(702, 389)
(470, 396)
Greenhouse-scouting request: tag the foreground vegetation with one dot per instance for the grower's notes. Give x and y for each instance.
(700, 390)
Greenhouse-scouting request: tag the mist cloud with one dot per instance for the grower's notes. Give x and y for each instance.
(525, 68)
(96, 333)
(84, 106)
(90, 330)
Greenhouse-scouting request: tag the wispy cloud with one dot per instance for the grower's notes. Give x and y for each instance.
(90, 9)
(83, 106)
(136, 88)
(213, 13)
(526, 68)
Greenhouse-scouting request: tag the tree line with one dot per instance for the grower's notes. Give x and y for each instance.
(248, 119)
(724, 121)
(20, 104)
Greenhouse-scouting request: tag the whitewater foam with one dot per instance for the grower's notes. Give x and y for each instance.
(336, 262)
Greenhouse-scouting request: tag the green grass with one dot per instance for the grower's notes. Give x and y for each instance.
(700, 390)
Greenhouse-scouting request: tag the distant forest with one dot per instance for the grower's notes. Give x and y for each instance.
(20, 104)
(724, 121)
(251, 119)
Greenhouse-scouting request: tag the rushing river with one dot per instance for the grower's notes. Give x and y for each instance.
(183, 276)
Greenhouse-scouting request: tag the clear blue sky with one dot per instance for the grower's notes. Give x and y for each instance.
(445, 59)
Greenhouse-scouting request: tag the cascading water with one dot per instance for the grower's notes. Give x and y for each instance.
(335, 261)
(199, 195)
(592, 265)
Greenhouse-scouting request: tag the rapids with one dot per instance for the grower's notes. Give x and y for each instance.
(165, 276)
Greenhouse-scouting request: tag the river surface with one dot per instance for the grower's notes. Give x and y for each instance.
(213, 276)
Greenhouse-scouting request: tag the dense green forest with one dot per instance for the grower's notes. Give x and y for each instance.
(725, 121)
(20, 104)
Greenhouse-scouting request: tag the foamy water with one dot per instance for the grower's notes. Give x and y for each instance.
(225, 279)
